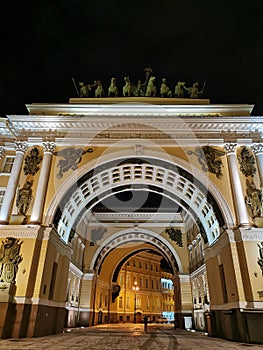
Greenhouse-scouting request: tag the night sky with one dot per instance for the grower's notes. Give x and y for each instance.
(47, 42)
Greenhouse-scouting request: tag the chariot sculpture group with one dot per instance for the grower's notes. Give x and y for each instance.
(147, 88)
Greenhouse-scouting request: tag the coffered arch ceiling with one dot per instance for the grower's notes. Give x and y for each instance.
(143, 174)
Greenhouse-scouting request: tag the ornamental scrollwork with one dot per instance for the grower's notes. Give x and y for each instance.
(209, 158)
(9, 259)
(175, 235)
(247, 162)
(32, 161)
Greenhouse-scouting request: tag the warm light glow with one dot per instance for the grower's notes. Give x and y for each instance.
(135, 287)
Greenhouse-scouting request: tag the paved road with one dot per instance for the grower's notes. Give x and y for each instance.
(125, 337)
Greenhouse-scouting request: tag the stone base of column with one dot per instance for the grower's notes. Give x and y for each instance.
(17, 219)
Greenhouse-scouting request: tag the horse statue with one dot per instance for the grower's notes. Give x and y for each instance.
(165, 91)
(126, 90)
(113, 89)
(151, 88)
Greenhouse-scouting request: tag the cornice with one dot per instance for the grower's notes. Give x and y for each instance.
(139, 106)
(134, 216)
(157, 126)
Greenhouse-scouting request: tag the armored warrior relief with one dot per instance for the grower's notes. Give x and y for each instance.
(9, 259)
(24, 198)
(254, 200)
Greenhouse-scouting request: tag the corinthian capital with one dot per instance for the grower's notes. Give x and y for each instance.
(230, 148)
(257, 148)
(21, 146)
(2, 151)
(49, 147)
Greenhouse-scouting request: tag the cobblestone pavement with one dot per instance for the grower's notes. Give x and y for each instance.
(125, 337)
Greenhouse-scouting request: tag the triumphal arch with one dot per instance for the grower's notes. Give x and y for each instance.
(89, 186)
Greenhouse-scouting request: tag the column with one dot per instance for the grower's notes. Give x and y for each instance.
(240, 205)
(257, 148)
(38, 205)
(20, 147)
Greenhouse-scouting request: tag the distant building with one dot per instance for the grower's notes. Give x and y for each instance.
(141, 292)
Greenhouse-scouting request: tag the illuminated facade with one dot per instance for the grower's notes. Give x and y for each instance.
(141, 290)
(87, 186)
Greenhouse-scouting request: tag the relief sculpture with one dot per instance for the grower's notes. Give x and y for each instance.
(254, 200)
(9, 259)
(208, 157)
(24, 198)
(247, 162)
(175, 235)
(31, 162)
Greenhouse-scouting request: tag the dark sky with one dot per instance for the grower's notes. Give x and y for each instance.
(44, 43)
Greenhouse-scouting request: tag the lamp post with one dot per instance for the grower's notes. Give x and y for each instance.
(135, 288)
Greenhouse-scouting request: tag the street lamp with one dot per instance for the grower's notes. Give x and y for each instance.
(135, 288)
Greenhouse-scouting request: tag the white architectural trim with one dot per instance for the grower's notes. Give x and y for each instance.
(142, 235)
(118, 156)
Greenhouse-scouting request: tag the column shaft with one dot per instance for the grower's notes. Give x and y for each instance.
(37, 211)
(240, 204)
(11, 187)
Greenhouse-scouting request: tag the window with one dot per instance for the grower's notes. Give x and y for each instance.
(8, 164)
(53, 281)
(2, 194)
(134, 263)
(120, 302)
(146, 266)
(140, 264)
(128, 302)
(147, 303)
